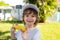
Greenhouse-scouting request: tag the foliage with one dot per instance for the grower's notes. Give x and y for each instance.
(46, 7)
(59, 9)
(2, 3)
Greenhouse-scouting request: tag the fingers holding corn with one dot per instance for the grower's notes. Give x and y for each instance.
(20, 27)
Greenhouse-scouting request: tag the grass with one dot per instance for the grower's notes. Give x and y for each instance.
(49, 31)
(5, 31)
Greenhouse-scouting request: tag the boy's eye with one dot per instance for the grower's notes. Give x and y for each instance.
(33, 16)
(27, 15)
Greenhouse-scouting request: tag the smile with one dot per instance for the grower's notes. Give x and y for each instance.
(29, 21)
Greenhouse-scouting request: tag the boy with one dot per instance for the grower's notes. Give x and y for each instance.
(30, 18)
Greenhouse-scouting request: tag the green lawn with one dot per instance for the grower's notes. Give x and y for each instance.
(49, 31)
(5, 31)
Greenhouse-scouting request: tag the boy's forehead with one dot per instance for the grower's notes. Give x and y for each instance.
(29, 12)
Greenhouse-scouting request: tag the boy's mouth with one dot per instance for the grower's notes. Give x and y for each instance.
(29, 21)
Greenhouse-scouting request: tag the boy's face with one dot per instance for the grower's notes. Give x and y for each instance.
(30, 18)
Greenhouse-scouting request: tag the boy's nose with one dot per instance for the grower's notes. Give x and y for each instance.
(29, 17)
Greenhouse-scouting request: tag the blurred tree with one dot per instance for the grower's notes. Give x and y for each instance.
(58, 9)
(58, 6)
(2, 3)
(46, 7)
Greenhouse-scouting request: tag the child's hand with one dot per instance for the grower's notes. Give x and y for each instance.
(12, 32)
(24, 35)
(12, 28)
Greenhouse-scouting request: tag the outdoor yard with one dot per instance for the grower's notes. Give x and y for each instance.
(49, 31)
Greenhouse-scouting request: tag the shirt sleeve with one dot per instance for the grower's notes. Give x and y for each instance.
(36, 36)
(18, 35)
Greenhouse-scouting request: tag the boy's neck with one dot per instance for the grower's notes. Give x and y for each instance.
(29, 26)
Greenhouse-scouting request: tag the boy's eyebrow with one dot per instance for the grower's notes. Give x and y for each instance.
(32, 14)
(27, 13)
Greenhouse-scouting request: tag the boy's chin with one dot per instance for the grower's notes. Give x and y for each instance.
(29, 24)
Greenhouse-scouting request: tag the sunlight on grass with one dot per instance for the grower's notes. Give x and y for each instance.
(49, 31)
(5, 31)
(5, 26)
